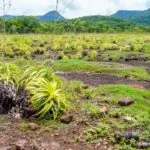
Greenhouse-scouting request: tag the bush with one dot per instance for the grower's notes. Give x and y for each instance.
(93, 54)
(9, 73)
(46, 97)
(39, 89)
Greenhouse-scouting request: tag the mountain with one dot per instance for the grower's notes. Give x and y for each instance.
(8, 16)
(142, 17)
(50, 16)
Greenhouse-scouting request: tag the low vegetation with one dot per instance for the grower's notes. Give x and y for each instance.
(45, 96)
(89, 24)
(34, 87)
(106, 47)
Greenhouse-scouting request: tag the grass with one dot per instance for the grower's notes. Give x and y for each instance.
(91, 109)
(99, 126)
(74, 65)
(121, 55)
(140, 97)
(95, 132)
(102, 67)
(135, 115)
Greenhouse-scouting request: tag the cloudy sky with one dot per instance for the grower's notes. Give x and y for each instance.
(76, 8)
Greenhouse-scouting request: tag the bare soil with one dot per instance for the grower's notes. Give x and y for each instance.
(12, 138)
(100, 79)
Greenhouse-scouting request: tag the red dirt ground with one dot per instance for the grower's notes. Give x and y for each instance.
(100, 79)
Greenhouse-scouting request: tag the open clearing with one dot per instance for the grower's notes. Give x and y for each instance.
(95, 72)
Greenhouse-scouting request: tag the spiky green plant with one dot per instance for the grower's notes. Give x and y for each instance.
(9, 73)
(46, 97)
(32, 73)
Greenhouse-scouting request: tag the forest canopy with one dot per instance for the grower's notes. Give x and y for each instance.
(90, 24)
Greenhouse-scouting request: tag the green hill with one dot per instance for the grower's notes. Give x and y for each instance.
(50, 16)
(142, 17)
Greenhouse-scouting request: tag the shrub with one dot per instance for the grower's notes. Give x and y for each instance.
(9, 73)
(60, 55)
(93, 54)
(36, 72)
(46, 97)
(42, 87)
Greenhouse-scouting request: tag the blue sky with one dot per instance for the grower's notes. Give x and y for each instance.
(78, 7)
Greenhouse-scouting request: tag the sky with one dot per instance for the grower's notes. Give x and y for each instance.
(76, 9)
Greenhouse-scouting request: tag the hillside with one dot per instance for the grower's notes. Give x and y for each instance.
(142, 17)
(87, 24)
(52, 15)
(123, 16)
(8, 16)
(103, 19)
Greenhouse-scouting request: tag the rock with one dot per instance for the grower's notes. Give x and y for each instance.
(15, 113)
(104, 110)
(66, 119)
(97, 145)
(7, 97)
(116, 115)
(126, 102)
(128, 119)
(33, 126)
(55, 146)
(18, 116)
(142, 145)
(85, 86)
(56, 134)
(20, 145)
(127, 136)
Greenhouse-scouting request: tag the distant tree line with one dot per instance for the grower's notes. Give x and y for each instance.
(93, 24)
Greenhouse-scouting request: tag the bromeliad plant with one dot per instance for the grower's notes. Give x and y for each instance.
(45, 95)
(42, 86)
(9, 73)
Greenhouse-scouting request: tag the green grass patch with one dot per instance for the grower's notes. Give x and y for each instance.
(141, 98)
(120, 55)
(102, 67)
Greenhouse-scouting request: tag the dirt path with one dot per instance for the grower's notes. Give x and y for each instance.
(100, 79)
(12, 138)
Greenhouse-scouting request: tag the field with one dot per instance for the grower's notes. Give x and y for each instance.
(74, 84)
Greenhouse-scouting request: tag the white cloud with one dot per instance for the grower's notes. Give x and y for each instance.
(77, 8)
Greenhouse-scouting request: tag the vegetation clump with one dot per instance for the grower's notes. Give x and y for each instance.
(37, 90)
